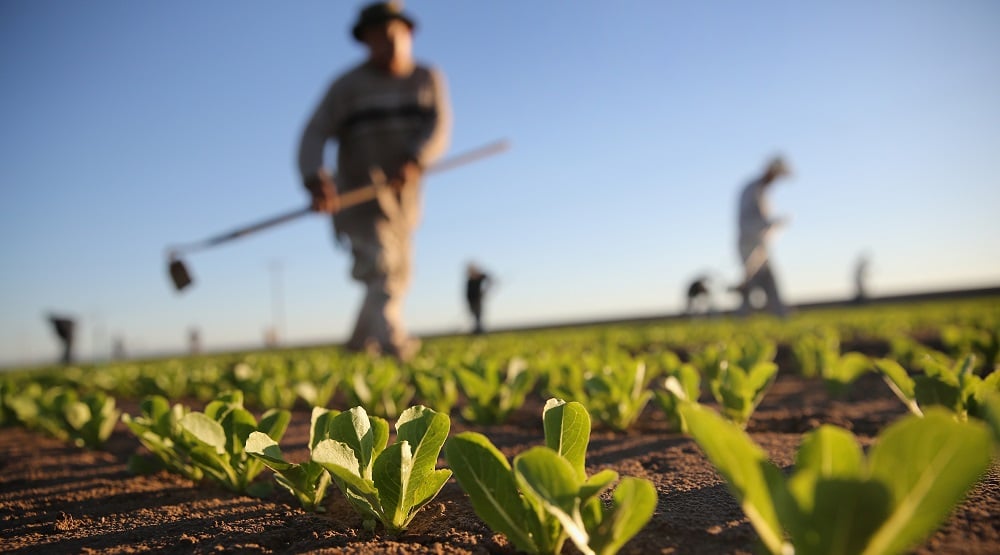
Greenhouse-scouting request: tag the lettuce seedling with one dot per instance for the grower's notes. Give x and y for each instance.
(952, 386)
(307, 481)
(739, 391)
(491, 393)
(216, 440)
(546, 497)
(981, 339)
(61, 413)
(158, 429)
(617, 395)
(91, 419)
(386, 484)
(688, 381)
(836, 501)
(819, 355)
(381, 386)
(437, 388)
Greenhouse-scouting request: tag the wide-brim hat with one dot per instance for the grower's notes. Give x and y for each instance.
(380, 12)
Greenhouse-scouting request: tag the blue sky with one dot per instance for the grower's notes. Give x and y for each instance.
(130, 126)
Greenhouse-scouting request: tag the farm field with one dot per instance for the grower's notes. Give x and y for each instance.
(56, 497)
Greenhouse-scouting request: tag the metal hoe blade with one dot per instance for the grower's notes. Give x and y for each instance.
(179, 274)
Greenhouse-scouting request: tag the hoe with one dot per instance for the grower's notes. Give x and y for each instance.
(181, 277)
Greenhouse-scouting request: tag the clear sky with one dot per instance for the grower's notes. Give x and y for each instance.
(129, 126)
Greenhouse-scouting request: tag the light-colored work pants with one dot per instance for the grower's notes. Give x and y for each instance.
(758, 275)
(382, 260)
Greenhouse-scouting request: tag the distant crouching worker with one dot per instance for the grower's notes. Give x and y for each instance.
(755, 228)
(476, 286)
(64, 328)
(699, 300)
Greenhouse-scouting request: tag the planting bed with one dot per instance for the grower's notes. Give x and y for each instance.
(56, 498)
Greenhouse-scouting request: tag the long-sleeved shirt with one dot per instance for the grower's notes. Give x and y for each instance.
(754, 220)
(378, 121)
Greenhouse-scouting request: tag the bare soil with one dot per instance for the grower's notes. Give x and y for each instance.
(56, 498)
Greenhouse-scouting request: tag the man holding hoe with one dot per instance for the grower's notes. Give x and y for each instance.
(391, 119)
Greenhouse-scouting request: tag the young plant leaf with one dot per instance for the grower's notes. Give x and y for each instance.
(744, 466)
(567, 432)
(484, 473)
(928, 464)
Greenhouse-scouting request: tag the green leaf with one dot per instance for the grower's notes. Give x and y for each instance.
(77, 414)
(320, 423)
(391, 475)
(426, 431)
(261, 445)
(743, 465)
(484, 473)
(542, 474)
(274, 423)
(843, 514)
(354, 429)
(237, 423)
(829, 506)
(338, 458)
(900, 382)
(937, 391)
(928, 465)
(205, 430)
(830, 452)
(632, 505)
(567, 432)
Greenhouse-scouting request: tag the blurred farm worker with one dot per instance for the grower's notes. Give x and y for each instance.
(756, 227)
(476, 285)
(64, 328)
(390, 118)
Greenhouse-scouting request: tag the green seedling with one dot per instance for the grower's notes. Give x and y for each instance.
(386, 484)
(158, 429)
(688, 382)
(739, 391)
(91, 419)
(61, 413)
(380, 386)
(493, 390)
(838, 502)
(818, 355)
(307, 481)
(546, 496)
(216, 440)
(955, 387)
(438, 389)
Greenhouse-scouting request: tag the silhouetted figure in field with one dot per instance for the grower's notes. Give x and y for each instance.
(756, 226)
(194, 341)
(118, 349)
(861, 279)
(64, 328)
(391, 115)
(476, 285)
(699, 299)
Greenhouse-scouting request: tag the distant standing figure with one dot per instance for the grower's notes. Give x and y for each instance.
(755, 228)
(476, 286)
(391, 119)
(64, 328)
(699, 299)
(860, 279)
(194, 341)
